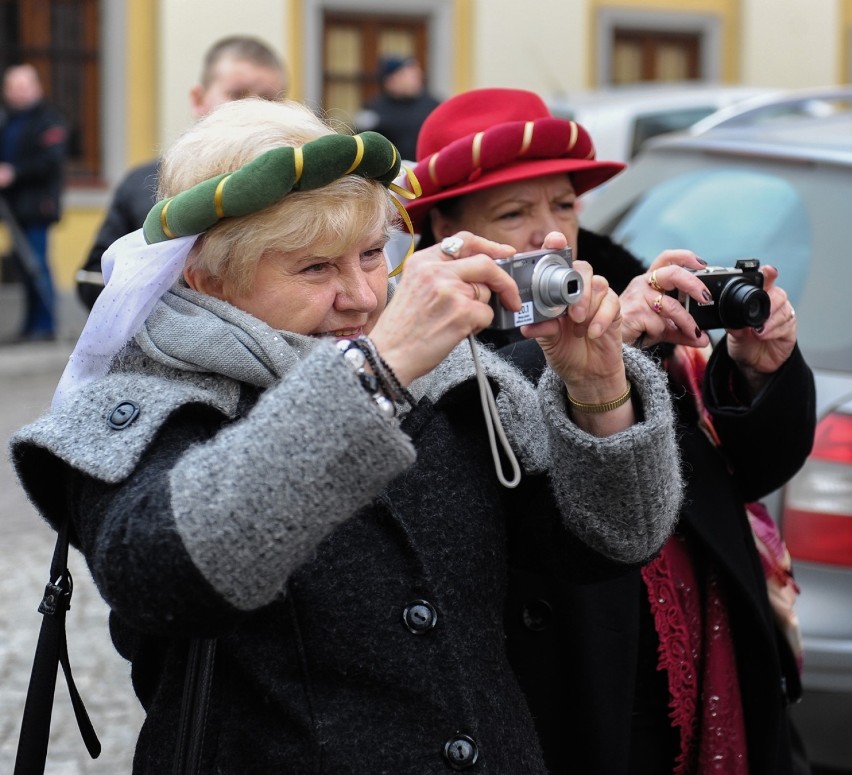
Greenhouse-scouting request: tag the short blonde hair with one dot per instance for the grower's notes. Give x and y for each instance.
(326, 220)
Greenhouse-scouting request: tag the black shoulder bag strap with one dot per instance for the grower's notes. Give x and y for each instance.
(194, 706)
(51, 651)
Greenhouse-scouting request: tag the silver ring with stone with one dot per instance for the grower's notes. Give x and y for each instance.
(451, 246)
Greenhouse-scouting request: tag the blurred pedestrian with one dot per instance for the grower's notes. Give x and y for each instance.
(234, 67)
(33, 138)
(402, 105)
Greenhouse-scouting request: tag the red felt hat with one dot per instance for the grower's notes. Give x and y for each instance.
(487, 137)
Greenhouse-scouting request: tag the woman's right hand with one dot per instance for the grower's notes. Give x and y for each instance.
(439, 301)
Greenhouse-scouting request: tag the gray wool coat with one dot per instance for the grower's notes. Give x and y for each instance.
(353, 569)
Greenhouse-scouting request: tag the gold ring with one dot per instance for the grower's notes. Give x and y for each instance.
(451, 246)
(476, 294)
(657, 306)
(652, 281)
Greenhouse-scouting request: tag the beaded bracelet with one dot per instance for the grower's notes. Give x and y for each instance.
(585, 408)
(356, 358)
(392, 384)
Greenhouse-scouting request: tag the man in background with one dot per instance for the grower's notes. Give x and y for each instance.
(33, 139)
(402, 105)
(234, 67)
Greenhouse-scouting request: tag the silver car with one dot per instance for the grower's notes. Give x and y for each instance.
(781, 192)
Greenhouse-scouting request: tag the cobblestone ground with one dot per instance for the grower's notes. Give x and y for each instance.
(27, 378)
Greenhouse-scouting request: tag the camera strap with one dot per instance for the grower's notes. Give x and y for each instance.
(493, 424)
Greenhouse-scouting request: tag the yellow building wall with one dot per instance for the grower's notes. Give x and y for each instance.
(844, 65)
(72, 237)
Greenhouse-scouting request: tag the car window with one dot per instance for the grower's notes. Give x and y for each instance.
(650, 125)
(790, 221)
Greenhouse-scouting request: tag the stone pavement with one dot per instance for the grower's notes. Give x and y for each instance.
(28, 374)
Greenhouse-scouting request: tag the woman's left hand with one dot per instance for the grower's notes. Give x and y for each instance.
(761, 351)
(584, 345)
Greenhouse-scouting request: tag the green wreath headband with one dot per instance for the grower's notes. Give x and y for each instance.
(274, 174)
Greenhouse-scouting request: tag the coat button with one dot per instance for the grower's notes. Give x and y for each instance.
(461, 752)
(419, 616)
(537, 615)
(123, 414)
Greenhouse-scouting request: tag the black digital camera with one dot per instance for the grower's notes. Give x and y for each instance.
(739, 300)
(547, 283)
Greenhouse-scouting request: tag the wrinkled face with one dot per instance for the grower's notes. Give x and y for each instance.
(519, 214)
(339, 296)
(235, 79)
(21, 87)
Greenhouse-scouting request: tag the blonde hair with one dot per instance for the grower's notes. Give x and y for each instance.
(326, 220)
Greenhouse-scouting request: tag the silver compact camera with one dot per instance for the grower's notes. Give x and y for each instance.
(739, 300)
(547, 284)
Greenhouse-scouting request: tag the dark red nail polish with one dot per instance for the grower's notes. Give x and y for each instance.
(759, 329)
(698, 333)
(706, 295)
(701, 261)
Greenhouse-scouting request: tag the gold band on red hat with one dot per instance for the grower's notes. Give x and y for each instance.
(433, 176)
(526, 142)
(497, 146)
(574, 134)
(476, 150)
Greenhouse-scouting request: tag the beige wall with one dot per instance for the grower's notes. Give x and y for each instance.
(533, 44)
(790, 43)
(186, 30)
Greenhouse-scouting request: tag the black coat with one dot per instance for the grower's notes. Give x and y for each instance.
(134, 197)
(384, 654)
(399, 119)
(575, 645)
(35, 194)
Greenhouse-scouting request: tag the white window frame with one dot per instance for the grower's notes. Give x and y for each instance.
(439, 15)
(707, 26)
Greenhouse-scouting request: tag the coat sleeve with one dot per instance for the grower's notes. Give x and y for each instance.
(207, 516)
(620, 494)
(768, 440)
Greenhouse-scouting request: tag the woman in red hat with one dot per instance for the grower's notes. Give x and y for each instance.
(679, 666)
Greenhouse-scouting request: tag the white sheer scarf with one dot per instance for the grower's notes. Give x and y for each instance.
(136, 275)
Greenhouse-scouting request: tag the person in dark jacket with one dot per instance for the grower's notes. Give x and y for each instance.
(683, 665)
(254, 444)
(401, 105)
(33, 138)
(234, 67)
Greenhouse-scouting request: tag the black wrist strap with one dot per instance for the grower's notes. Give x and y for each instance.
(51, 651)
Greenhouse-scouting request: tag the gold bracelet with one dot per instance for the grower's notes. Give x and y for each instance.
(598, 408)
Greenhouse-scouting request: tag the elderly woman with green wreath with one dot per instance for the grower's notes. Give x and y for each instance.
(254, 444)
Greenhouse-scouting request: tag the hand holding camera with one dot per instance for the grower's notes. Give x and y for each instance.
(680, 298)
(547, 283)
(737, 298)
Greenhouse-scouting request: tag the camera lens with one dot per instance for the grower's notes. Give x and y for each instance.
(559, 285)
(743, 305)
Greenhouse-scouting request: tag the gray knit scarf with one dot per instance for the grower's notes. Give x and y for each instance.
(192, 331)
